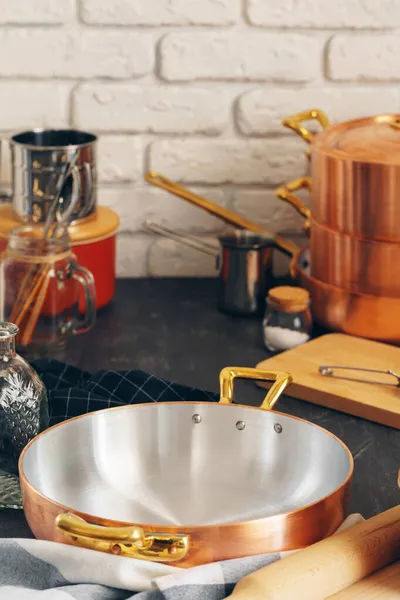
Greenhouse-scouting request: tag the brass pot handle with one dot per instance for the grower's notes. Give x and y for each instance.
(229, 374)
(294, 122)
(130, 541)
(285, 192)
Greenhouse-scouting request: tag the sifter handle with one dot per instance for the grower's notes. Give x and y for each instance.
(329, 566)
(5, 197)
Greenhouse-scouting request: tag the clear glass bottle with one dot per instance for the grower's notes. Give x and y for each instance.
(24, 408)
(287, 321)
(41, 285)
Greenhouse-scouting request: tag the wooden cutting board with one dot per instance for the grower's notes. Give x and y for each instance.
(372, 401)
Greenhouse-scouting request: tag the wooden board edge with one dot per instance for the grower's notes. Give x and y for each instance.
(339, 404)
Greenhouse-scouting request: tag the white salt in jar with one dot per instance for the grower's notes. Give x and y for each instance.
(287, 322)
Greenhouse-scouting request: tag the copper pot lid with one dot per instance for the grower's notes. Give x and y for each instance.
(101, 224)
(370, 140)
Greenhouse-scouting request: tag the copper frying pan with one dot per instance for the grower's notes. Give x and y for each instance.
(363, 315)
(223, 213)
(188, 483)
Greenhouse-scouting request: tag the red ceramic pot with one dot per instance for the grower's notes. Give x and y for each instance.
(93, 241)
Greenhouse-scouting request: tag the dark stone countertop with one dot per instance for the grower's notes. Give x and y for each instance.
(171, 327)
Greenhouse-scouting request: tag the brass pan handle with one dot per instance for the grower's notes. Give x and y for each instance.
(229, 374)
(129, 541)
(285, 192)
(215, 209)
(294, 122)
(226, 215)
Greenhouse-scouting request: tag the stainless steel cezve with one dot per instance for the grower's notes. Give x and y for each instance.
(244, 262)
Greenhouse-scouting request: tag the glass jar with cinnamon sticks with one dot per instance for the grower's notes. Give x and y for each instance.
(40, 285)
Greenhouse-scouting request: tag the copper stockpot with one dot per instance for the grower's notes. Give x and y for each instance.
(336, 309)
(355, 172)
(355, 265)
(188, 483)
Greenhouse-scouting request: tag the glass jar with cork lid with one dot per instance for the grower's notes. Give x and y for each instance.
(287, 321)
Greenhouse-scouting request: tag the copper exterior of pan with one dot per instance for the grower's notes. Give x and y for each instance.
(355, 171)
(361, 315)
(355, 265)
(213, 476)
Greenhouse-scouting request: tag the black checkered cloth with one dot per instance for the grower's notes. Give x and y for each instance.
(74, 392)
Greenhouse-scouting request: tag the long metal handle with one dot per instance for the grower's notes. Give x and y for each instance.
(184, 238)
(295, 122)
(229, 374)
(130, 541)
(89, 187)
(229, 216)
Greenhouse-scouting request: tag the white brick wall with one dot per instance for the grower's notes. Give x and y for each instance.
(151, 109)
(239, 56)
(161, 12)
(195, 89)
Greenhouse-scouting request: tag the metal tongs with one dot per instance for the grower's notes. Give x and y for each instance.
(62, 219)
(184, 238)
(330, 371)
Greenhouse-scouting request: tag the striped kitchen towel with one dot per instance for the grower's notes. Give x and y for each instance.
(40, 570)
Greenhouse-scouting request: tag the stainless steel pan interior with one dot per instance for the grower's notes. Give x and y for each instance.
(186, 464)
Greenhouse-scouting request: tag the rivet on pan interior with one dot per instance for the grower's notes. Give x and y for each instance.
(278, 428)
(240, 425)
(196, 418)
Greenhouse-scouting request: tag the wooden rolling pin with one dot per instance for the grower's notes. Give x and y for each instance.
(329, 566)
(382, 585)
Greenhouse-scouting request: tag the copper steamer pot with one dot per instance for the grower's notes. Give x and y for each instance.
(355, 265)
(355, 172)
(187, 483)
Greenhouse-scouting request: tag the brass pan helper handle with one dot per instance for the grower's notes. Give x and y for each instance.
(294, 122)
(229, 374)
(129, 541)
(285, 192)
(226, 215)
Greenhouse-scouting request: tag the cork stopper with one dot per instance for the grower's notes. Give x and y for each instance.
(288, 298)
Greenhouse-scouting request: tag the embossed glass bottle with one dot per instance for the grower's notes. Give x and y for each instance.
(23, 400)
